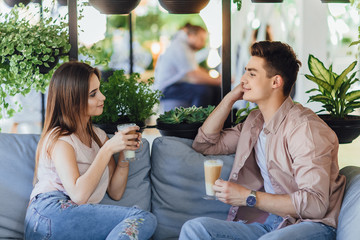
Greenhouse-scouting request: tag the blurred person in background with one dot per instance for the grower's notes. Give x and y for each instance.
(178, 74)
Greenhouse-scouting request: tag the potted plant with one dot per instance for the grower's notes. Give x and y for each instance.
(337, 98)
(128, 99)
(243, 113)
(28, 52)
(12, 3)
(183, 6)
(114, 6)
(183, 122)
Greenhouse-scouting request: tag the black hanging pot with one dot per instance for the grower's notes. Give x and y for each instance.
(44, 69)
(62, 2)
(183, 6)
(266, 1)
(347, 129)
(12, 3)
(114, 6)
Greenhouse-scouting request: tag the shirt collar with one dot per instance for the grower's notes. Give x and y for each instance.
(279, 116)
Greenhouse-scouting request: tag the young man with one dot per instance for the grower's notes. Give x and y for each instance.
(179, 76)
(285, 181)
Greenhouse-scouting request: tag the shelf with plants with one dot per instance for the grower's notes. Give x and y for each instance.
(183, 122)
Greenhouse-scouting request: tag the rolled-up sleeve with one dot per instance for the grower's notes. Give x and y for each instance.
(312, 160)
(224, 142)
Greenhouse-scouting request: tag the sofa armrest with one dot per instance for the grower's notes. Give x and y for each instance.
(349, 218)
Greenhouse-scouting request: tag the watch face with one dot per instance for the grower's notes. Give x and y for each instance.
(251, 201)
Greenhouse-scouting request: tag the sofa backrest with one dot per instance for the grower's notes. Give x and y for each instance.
(349, 218)
(17, 154)
(177, 176)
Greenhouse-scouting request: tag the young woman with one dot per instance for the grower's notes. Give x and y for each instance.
(74, 167)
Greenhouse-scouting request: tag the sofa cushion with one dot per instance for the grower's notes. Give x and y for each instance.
(138, 188)
(16, 175)
(177, 176)
(349, 218)
(17, 153)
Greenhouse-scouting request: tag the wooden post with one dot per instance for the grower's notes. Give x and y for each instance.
(73, 31)
(226, 53)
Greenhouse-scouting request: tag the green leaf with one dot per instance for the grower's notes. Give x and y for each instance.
(318, 69)
(351, 96)
(312, 90)
(320, 83)
(354, 43)
(320, 98)
(339, 80)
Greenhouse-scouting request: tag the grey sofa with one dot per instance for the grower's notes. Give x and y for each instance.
(168, 183)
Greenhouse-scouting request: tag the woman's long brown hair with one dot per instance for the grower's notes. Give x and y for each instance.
(67, 103)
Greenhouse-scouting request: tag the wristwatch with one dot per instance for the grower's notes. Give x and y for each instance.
(251, 199)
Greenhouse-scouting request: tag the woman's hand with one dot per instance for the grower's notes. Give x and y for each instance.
(127, 139)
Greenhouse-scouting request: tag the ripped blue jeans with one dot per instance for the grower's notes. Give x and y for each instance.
(53, 215)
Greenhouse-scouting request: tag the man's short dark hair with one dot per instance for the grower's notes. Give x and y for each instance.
(193, 29)
(280, 59)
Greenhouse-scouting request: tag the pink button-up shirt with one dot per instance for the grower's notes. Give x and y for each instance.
(301, 156)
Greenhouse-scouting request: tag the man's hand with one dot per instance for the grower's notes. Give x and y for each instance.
(238, 92)
(231, 193)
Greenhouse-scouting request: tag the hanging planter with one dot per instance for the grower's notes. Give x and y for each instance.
(183, 6)
(267, 1)
(114, 6)
(335, 1)
(12, 3)
(62, 2)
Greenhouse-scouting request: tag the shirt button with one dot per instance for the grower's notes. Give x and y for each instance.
(234, 175)
(233, 211)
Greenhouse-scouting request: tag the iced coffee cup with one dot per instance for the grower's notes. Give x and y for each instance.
(129, 154)
(212, 170)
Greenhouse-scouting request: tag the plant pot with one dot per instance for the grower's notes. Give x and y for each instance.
(12, 3)
(183, 6)
(110, 128)
(266, 1)
(183, 130)
(335, 1)
(347, 129)
(62, 2)
(43, 69)
(114, 6)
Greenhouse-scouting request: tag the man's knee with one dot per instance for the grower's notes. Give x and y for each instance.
(194, 228)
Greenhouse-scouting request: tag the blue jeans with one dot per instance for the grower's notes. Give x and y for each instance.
(210, 228)
(53, 215)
